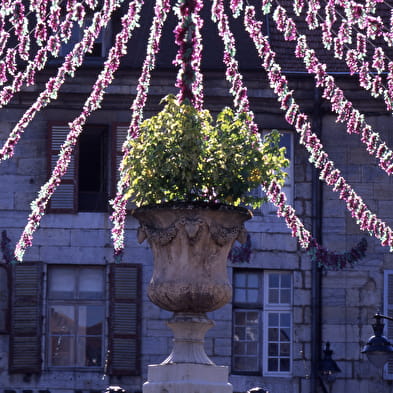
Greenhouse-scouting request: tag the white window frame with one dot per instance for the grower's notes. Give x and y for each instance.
(264, 309)
(279, 308)
(388, 310)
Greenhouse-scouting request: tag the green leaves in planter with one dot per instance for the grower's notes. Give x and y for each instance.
(182, 155)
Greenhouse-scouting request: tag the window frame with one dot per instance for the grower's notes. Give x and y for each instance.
(279, 308)
(75, 303)
(263, 308)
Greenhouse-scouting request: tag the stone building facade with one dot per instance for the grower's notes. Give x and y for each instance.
(62, 326)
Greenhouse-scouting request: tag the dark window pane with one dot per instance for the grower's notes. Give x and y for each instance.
(273, 334)
(240, 333)
(274, 280)
(62, 283)
(91, 283)
(245, 364)
(62, 351)
(89, 351)
(240, 318)
(272, 365)
(284, 335)
(286, 281)
(273, 319)
(284, 364)
(285, 296)
(284, 349)
(273, 296)
(273, 349)
(91, 319)
(252, 317)
(285, 319)
(62, 319)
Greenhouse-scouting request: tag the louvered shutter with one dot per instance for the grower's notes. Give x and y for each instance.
(124, 319)
(64, 200)
(26, 321)
(119, 134)
(388, 310)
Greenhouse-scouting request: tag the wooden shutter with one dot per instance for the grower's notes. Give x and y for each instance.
(119, 135)
(26, 321)
(388, 310)
(64, 200)
(124, 320)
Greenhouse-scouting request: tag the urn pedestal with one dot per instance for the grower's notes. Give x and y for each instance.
(190, 247)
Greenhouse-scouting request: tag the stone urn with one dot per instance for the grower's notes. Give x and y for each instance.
(190, 244)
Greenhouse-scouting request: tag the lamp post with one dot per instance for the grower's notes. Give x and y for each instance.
(328, 368)
(378, 348)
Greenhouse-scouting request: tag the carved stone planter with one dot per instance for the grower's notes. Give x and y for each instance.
(190, 245)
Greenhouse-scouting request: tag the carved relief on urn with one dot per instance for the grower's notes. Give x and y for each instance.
(190, 248)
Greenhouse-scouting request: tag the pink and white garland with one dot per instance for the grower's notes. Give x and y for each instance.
(72, 61)
(188, 58)
(119, 203)
(332, 176)
(129, 23)
(355, 121)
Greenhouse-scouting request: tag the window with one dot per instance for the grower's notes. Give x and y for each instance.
(388, 310)
(100, 46)
(78, 334)
(76, 316)
(90, 180)
(262, 322)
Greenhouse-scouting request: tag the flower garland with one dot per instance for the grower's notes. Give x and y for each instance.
(38, 206)
(119, 203)
(72, 61)
(233, 76)
(27, 76)
(332, 176)
(273, 191)
(188, 58)
(355, 121)
(332, 261)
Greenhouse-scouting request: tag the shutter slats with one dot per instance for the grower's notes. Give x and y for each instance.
(64, 198)
(388, 292)
(124, 323)
(25, 340)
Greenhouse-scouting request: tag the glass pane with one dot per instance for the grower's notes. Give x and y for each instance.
(89, 351)
(253, 280)
(252, 295)
(62, 283)
(285, 296)
(284, 364)
(273, 334)
(273, 319)
(284, 349)
(286, 281)
(240, 280)
(252, 317)
(62, 351)
(285, 320)
(239, 348)
(91, 283)
(62, 319)
(252, 349)
(274, 280)
(273, 296)
(252, 333)
(240, 318)
(285, 335)
(240, 333)
(273, 349)
(90, 319)
(240, 295)
(272, 365)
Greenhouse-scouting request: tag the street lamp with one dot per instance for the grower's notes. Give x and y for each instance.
(328, 368)
(378, 348)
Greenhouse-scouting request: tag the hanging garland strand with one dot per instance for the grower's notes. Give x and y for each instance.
(278, 82)
(72, 61)
(273, 191)
(52, 47)
(119, 203)
(38, 206)
(355, 121)
(332, 261)
(188, 58)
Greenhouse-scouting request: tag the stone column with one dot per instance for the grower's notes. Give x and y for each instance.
(190, 248)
